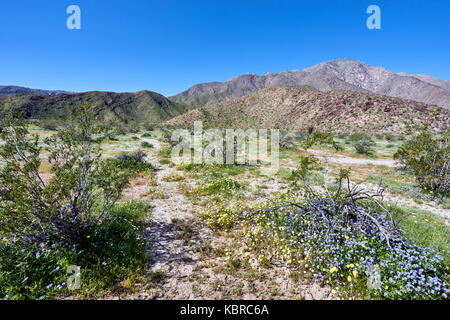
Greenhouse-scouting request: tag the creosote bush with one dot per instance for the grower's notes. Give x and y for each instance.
(146, 144)
(427, 154)
(303, 172)
(50, 222)
(364, 145)
(132, 161)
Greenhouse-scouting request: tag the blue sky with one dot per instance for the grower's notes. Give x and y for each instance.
(167, 46)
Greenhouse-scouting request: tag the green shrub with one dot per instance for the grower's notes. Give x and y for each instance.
(51, 125)
(132, 161)
(428, 155)
(302, 173)
(389, 137)
(70, 218)
(320, 139)
(358, 136)
(35, 210)
(364, 146)
(379, 136)
(146, 144)
(223, 185)
(148, 126)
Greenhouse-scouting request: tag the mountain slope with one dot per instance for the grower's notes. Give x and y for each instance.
(7, 90)
(294, 108)
(342, 74)
(141, 106)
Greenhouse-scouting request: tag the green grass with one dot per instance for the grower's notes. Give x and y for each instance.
(425, 228)
(408, 189)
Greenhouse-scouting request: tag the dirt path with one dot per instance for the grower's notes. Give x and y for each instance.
(174, 207)
(336, 158)
(185, 263)
(172, 236)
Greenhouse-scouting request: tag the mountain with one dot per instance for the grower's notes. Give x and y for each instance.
(342, 74)
(143, 106)
(7, 90)
(298, 108)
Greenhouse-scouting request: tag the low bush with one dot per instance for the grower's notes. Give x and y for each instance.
(364, 146)
(51, 125)
(224, 185)
(146, 144)
(427, 154)
(303, 173)
(132, 161)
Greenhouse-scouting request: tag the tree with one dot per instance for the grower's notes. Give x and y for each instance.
(428, 155)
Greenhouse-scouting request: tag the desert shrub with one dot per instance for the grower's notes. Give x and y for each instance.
(223, 185)
(172, 177)
(46, 223)
(320, 139)
(146, 144)
(389, 137)
(427, 154)
(390, 145)
(358, 136)
(50, 125)
(148, 126)
(165, 152)
(303, 172)
(165, 135)
(364, 146)
(379, 136)
(146, 134)
(132, 161)
(33, 209)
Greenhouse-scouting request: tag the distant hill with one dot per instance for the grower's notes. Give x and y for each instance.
(7, 90)
(342, 74)
(298, 108)
(143, 106)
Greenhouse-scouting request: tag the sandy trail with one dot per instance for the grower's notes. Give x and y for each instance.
(336, 158)
(187, 273)
(173, 207)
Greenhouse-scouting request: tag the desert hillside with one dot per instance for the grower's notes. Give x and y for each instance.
(143, 106)
(298, 108)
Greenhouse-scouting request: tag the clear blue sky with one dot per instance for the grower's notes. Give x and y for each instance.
(167, 46)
